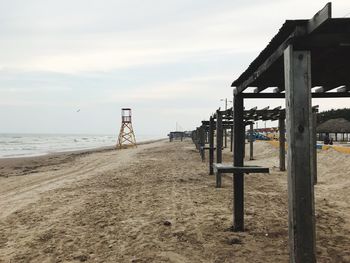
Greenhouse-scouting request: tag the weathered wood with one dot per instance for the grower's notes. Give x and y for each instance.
(319, 18)
(251, 139)
(211, 145)
(282, 140)
(202, 142)
(324, 89)
(322, 41)
(225, 168)
(299, 31)
(218, 144)
(225, 136)
(209, 148)
(238, 161)
(231, 137)
(343, 89)
(313, 147)
(268, 95)
(297, 66)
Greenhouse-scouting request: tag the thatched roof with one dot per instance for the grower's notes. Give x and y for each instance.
(334, 125)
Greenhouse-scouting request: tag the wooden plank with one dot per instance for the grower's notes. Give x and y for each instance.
(343, 89)
(312, 25)
(326, 41)
(282, 95)
(313, 147)
(211, 144)
(224, 168)
(251, 138)
(218, 144)
(297, 66)
(299, 31)
(231, 142)
(282, 139)
(202, 142)
(238, 161)
(319, 18)
(323, 89)
(277, 90)
(259, 89)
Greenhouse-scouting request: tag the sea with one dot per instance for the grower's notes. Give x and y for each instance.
(26, 145)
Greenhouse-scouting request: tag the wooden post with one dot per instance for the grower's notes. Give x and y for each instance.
(297, 68)
(313, 147)
(218, 145)
(282, 142)
(251, 130)
(211, 145)
(231, 137)
(202, 142)
(225, 136)
(238, 159)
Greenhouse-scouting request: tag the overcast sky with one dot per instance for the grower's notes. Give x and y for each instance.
(169, 60)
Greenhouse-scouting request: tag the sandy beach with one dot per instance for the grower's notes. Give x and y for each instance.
(157, 203)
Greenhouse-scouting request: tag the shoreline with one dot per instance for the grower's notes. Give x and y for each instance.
(23, 165)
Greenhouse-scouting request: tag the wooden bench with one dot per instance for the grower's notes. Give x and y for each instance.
(202, 151)
(220, 168)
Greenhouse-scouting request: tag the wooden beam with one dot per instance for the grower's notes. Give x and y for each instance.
(343, 89)
(313, 147)
(202, 142)
(326, 41)
(277, 90)
(282, 142)
(238, 160)
(251, 152)
(224, 168)
(297, 66)
(319, 18)
(282, 95)
(218, 144)
(324, 89)
(299, 31)
(211, 145)
(231, 137)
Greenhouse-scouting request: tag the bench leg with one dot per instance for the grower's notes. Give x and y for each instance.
(218, 180)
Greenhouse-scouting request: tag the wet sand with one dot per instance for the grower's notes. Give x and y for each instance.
(157, 203)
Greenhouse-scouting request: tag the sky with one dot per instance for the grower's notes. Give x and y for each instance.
(171, 61)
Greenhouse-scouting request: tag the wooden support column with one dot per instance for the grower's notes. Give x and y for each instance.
(231, 137)
(251, 152)
(282, 142)
(313, 147)
(211, 145)
(202, 142)
(238, 157)
(297, 67)
(225, 136)
(219, 134)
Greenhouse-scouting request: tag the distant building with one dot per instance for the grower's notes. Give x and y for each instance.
(337, 129)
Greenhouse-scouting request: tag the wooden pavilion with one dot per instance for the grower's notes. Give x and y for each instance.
(303, 55)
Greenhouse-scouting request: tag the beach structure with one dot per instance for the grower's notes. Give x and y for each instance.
(304, 54)
(176, 135)
(337, 129)
(223, 120)
(126, 136)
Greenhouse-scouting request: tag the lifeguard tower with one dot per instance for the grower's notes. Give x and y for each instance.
(126, 136)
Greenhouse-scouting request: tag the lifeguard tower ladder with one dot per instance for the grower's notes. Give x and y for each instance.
(126, 135)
